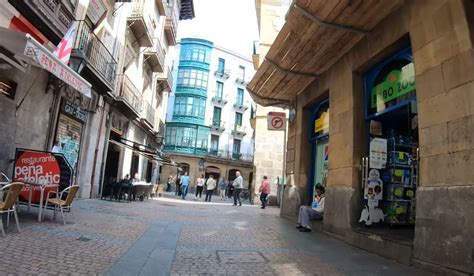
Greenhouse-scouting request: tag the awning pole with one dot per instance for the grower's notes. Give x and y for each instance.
(28, 92)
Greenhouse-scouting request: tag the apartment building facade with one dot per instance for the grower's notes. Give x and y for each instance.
(104, 107)
(207, 128)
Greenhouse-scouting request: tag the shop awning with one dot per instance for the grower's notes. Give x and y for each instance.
(315, 36)
(213, 170)
(19, 48)
(144, 150)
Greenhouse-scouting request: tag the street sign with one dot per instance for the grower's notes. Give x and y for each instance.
(276, 121)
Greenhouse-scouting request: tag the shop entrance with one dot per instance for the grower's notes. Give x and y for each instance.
(214, 171)
(390, 170)
(319, 139)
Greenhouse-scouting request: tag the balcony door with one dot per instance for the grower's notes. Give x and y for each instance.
(238, 119)
(216, 118)
(214, 144)
(240, 96)
(219, 89)
(221, 65)
(236, 149)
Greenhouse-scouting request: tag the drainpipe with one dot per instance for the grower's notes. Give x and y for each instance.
(105, 151)
(96, 151)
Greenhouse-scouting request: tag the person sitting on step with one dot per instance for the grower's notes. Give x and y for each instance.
(308, 214)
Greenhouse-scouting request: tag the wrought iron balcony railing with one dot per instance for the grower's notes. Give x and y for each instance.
(239, 130)
(221, 74)
(218, 125)
(171, 25)
(129, 93)
(219, 99)
(166, 79)
(148, 114)
(155, 57)
(140, 24)
(88, 47)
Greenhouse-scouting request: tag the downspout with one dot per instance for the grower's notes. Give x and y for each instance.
(96, 151)
(105, 151)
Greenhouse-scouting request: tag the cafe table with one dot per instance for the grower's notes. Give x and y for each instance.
(42, 187)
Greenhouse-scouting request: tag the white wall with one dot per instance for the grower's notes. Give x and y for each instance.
(232, 63)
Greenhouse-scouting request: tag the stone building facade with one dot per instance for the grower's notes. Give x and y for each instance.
(438, 38)
(80, 106)
(269, 144)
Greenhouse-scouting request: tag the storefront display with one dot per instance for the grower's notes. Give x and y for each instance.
(320, 151)
(69, 131)
(390, 173)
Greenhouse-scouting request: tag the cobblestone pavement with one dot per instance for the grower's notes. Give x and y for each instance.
(171, 236)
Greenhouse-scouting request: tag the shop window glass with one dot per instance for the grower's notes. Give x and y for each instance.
(390, 84)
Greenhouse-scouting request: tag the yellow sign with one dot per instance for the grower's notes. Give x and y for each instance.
(322, 123)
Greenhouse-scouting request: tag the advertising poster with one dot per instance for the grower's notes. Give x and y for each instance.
(378, 153)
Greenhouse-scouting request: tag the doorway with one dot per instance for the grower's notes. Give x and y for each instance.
(319, 139)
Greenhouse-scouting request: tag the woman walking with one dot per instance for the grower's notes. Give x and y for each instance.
(199, 187)
(222, 188)
(211, 185)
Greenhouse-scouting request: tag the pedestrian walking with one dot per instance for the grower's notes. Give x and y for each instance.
(184, 185)
(238, 186)
(264, 191)
(168, 183)
(177, 191)
(230, 189)
(199, 187)
(222, 188)
(211, 185)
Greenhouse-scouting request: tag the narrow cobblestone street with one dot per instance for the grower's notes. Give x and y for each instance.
(170, 236)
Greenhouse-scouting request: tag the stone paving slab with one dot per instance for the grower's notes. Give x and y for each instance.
(169, 236)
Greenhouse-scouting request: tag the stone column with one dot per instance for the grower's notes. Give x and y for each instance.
(444, 64)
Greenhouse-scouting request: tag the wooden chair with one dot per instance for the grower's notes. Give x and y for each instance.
(8, 206)
(62, 205)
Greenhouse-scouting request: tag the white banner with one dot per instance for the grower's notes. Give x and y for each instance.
(52, 64)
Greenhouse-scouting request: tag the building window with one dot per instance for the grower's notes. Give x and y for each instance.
(189, 106)
(202, 138)
(241, 72)
(221, 65)
(236, 149)
(187, 136)
(238, 119)
(240, 96)
(214, 144)
(219, 89)
(193, 78)
(216, 118)
(195, 54)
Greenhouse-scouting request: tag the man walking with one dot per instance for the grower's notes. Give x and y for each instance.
(238, 185)
(222, 188)
(211, 185)
(264, 191)
(184, 185)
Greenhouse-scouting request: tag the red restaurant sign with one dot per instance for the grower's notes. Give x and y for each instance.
(39, 168)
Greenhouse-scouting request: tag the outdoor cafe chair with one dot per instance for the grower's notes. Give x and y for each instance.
(8, 205)
(59, 203)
